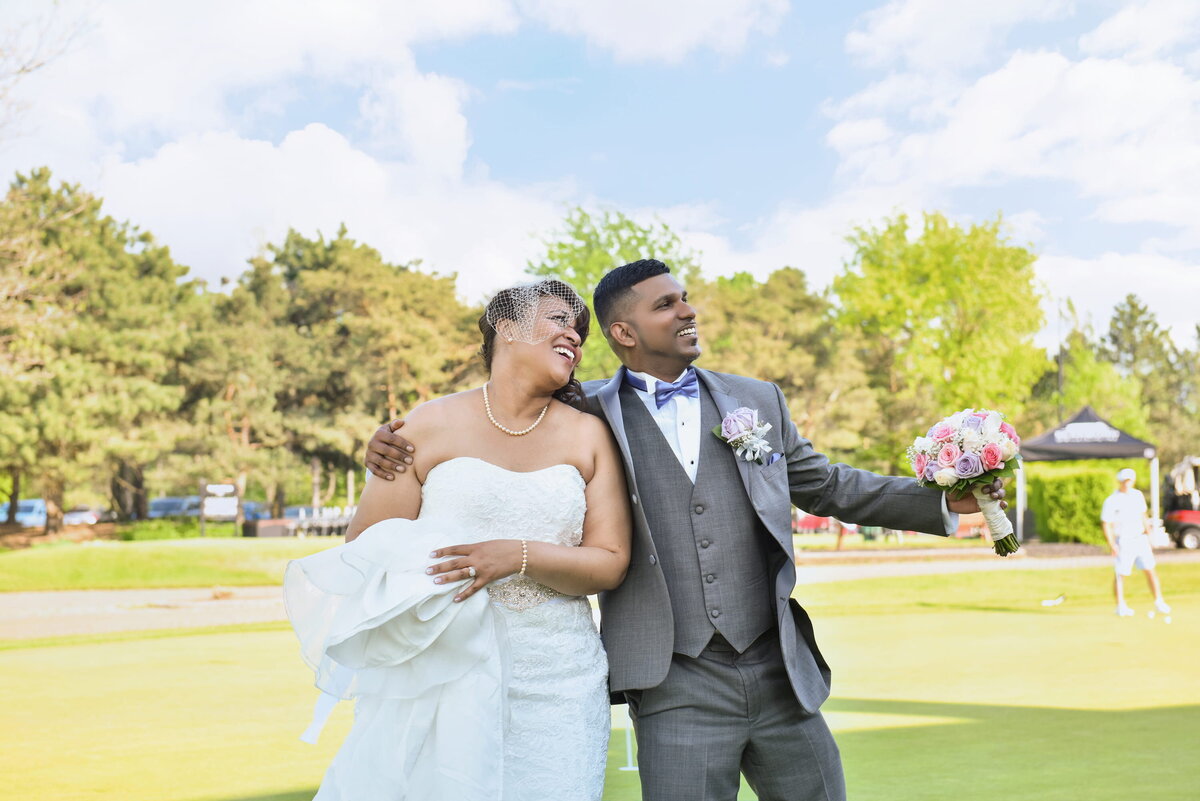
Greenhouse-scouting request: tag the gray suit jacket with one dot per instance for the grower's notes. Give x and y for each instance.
(636, 622)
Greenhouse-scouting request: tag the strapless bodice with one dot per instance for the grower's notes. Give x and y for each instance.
(544, 505)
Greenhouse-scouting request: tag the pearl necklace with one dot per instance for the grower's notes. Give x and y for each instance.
(487, 405)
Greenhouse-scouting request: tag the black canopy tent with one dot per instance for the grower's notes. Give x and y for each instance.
(1085, 436)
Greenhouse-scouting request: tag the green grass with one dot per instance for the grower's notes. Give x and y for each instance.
(821, 541)
(232, 561)
(948, 687)
(164, 528)
(169, 563)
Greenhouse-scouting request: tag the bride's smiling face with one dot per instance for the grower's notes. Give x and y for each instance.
(556, 345)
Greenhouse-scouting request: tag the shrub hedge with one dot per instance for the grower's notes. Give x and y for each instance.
(1066, 497)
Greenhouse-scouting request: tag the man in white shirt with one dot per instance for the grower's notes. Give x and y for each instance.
(1126, 527)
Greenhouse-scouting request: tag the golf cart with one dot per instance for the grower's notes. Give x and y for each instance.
(1181, 503)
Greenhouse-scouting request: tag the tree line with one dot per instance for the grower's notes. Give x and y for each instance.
(122, 376)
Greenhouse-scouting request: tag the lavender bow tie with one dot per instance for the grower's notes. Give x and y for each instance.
(688, 386)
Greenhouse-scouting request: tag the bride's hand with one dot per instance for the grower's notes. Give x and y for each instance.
(492, 560)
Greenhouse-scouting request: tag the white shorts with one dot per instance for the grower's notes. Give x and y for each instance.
(1134, 552)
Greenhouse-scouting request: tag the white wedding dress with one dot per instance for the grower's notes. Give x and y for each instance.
(501, 697)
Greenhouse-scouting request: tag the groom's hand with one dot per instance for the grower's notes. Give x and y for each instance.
(966, 504)
(388, 451)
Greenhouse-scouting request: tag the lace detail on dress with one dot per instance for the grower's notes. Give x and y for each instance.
(521, 593)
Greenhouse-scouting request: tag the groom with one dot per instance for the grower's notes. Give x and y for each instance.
(719, 665)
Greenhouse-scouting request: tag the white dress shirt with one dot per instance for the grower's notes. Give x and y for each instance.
(678, 420)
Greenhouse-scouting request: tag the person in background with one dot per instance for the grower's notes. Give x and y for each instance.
(1127, 529)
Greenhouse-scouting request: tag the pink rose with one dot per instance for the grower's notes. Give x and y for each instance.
(980, 415)
(1010, 432)
(942, 432)
(948, 455)
(919, 464)
(992, 456)
(738, 422)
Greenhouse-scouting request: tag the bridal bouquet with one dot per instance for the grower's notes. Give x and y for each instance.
(968, 451)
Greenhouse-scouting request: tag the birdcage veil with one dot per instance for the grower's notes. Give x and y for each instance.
(534, 312)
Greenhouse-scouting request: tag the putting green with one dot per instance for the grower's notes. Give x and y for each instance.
(962, 688)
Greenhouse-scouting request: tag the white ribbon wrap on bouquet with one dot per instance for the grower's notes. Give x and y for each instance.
(997, 522)
(428, 674)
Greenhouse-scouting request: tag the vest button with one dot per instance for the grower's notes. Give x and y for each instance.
(653, 559)
(704, 543)
(710, 578)
(634, 499)
(699, 509)
(715, 613)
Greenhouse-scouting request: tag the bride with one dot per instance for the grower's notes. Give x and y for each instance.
(462, 694)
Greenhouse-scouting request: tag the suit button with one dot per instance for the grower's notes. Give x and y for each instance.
(653, 559)
(704, 543)
(634, 499)
(710, 578)
(699, 509)
(715, 613)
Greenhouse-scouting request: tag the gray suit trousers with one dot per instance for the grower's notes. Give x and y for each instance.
(723, 714)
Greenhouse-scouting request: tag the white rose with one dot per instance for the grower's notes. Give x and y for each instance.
(946, 477)
(924, 444)
(1008, 448)
(973, 441)
(991, 424)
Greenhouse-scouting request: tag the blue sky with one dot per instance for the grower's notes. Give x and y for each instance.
(763, 131)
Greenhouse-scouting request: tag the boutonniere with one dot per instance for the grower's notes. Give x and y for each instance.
(745, 434)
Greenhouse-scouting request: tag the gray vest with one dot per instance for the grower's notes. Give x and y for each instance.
(710, 542)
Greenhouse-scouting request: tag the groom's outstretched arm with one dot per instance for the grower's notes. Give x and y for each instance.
(852, 495)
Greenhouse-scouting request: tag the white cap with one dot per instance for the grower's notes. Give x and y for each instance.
(1126, 475)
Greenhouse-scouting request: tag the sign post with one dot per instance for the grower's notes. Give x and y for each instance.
(219, 502)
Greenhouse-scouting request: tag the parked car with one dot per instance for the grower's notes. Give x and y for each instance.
(31, 512)
(253, 510)
(297, 512)
(81, 516)
(174, 506)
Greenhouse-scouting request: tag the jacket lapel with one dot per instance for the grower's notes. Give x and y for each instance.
(726, 403)
(610, 404)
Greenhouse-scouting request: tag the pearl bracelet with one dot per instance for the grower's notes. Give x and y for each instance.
(524, 557)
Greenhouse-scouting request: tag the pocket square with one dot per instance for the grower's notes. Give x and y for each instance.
(773, 458)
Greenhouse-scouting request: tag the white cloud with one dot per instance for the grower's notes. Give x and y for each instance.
(170, 68)
(217, 198)
(1120, 132)
(942, 34)
(420, 116)
(1145, 30)
(660, 31)
(1095, 286)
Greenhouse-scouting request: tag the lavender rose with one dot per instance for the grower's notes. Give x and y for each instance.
(968, 465)
(930, 469)
(972, 423)
(739, 422)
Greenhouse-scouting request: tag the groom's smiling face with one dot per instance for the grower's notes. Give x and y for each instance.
(663, 327)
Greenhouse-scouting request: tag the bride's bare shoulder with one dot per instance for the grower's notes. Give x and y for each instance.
(586, 426)
(441, 414)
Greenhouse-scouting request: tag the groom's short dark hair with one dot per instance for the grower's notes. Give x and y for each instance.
(617, 285)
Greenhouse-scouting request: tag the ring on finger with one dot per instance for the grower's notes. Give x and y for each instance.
(471, 572)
